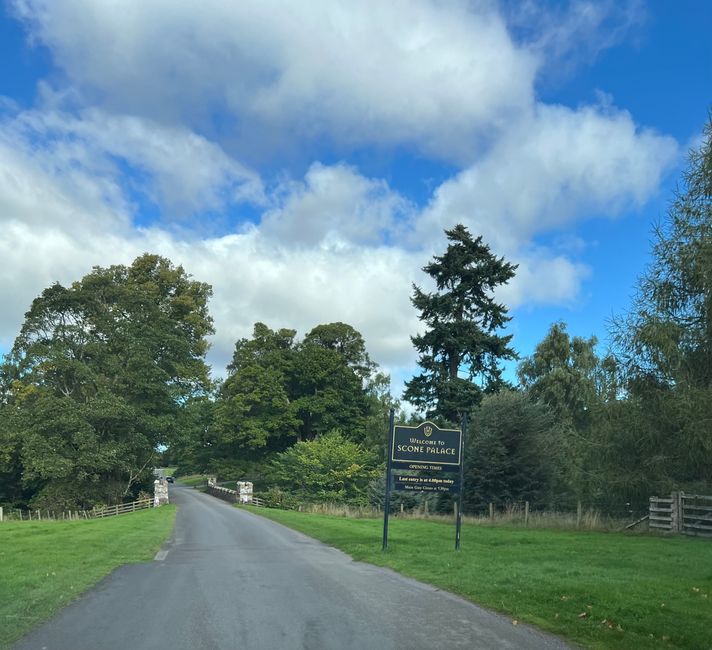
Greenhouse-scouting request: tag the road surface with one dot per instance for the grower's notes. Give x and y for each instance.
(229, 579)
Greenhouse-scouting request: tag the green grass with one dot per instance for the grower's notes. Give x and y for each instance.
(601, 590)
(193, 480)
(46, 565)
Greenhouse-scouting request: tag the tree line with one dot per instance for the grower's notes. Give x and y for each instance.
(108, 379)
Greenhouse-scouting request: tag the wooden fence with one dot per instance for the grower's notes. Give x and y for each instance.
(73, 515)
(689, 514)
(122, 508)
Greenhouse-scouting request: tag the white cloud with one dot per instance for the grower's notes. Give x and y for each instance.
(549, 170)
(181, 171)
(573, 33)
(334, 205)
(445, 78)
(62, 225)
(59, 217)
(432, 74)
(334, 246)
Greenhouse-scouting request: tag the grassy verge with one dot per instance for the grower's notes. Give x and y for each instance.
(602, 590)
(193, 480)
(46, 565)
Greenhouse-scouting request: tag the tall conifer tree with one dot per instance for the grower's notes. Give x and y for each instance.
(461, 348)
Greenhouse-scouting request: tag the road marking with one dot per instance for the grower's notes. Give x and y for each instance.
(160, 556)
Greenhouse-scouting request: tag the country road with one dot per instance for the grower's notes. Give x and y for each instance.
(229, 579)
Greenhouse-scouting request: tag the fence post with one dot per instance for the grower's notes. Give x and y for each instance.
(676, 516)
(579, 512)
(491, 509)
(1, 513)
(673, 512)
(526, 513)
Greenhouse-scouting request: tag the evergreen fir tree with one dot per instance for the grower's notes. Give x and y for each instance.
(460, 350)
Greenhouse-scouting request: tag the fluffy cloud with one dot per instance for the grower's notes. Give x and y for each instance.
(333, 205)
(254, 277)
(550, 169)
(431, 74)
(332, 243)
(182, 172)
(334, 247)
(63, 209)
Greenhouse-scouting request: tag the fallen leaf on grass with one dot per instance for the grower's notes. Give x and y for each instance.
(583, 615)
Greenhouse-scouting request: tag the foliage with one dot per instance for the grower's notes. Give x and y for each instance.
(98, 377)
(509, 456)
(462, 319)
(345, 340)
(328, 393)
(566, 375)
(562, 374)
(281, 391)
(192, 446)
(379, 402)
(664, 343)
(328, 468)
(275, 497)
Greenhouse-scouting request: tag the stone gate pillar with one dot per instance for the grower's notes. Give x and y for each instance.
(244, 491)
(160, 492)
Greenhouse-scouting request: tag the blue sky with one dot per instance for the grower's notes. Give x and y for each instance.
(305, 158)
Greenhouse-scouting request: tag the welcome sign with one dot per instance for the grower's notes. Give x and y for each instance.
(427, 444)
(427, 448)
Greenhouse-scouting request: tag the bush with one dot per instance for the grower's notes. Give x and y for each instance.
(328, 468)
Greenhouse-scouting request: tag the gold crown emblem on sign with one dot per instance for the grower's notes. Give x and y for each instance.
(427, 431)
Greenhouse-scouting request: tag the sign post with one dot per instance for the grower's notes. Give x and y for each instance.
(458, 521)
(387, 501)
(425, 448)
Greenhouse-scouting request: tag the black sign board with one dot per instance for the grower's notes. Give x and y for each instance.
(425, 448)
(426, 484)
(426, 444)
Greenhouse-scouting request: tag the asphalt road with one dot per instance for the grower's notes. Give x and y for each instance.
(229, 579)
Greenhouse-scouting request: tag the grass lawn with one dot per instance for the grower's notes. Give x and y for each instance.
(193, 480)
(601, 590)
(46, 565)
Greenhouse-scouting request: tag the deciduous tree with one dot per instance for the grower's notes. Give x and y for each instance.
(99, 374)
